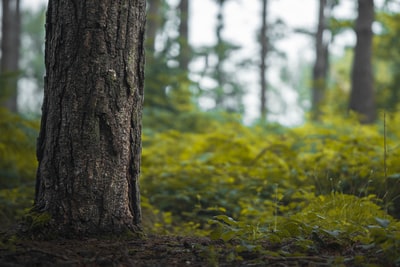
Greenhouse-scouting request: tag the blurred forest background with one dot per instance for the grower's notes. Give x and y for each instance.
(330, 166)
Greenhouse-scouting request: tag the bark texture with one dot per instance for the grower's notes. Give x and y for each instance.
(362, 98)
(10, 44)
(89, 145)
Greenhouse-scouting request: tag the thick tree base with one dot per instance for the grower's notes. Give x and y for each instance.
(41, 226)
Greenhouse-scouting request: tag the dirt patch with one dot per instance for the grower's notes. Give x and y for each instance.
(153, 251)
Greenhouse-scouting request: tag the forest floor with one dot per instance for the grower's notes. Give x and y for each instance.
(165, 251)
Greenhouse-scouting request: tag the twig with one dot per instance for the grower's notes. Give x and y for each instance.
(385, 158)
(384, 146)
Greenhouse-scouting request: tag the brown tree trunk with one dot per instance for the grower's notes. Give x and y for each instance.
(10, 44)
(89, 145)
(154, 23)
(263, 64)
(321, 62)
(221, 57)
(362, 98)
(184, 56)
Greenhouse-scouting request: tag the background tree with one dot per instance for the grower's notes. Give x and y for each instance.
(10, 44)
(221, 54)
(267, 37)
(263, 64)
(155, 91)
(320, 68)
(167, 87)
(328, 27)
(227, 93)
(362, 97)
(184, 53)
(155, 21)
(89, 145)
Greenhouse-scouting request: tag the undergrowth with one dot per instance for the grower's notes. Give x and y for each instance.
(306, 190)
(316, 187)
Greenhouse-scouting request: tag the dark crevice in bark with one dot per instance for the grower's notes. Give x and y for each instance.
(134, 171)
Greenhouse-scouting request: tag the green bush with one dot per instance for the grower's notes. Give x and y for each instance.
(17, 165)
(332, 222)
(242, 170)
(319, 185)
(17, 149)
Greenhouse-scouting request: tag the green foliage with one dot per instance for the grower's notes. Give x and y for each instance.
(231, 162)
(13, 203)
(314, 187)
(387, 60)
(318, 187)
(37, 226)
(17, 149)
(332, 222)
(17, 165)
(194, 121)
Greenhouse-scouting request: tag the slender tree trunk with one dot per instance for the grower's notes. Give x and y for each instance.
(10, 44)
(220, 49)
(184, 56)
(263, 64)
(155, 90)
(321, 62)
(362, 98)
(154, 22)
(89, 145)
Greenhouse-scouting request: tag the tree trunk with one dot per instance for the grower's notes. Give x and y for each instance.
(154, 24)
(220, 53)
(321, 63)
(362, 98)
(10, 44)
(263, 64)
(89, 145)
(184, 55)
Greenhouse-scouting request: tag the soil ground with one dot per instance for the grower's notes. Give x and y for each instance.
(162, 251)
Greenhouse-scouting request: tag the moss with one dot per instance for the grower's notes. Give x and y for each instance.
(137, 234)
(38, 220)
(37, 225)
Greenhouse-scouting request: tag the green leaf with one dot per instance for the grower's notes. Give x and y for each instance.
(394, 176)
(226, 219)
(228, 235)
(334, 233)
(216, 233)
(382, 222)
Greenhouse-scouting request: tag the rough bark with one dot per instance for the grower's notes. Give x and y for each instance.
(10, 44)
(362, 98)
(89, 145)
(320, 68)
(263, 64)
